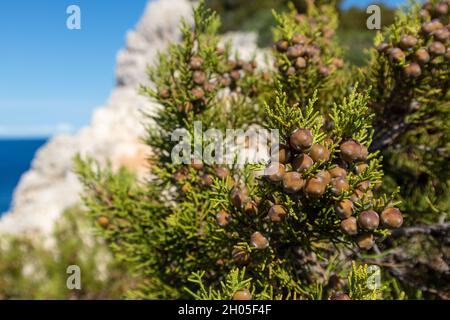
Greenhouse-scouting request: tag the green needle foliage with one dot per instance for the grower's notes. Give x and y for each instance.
(409, 72)
(223, 231)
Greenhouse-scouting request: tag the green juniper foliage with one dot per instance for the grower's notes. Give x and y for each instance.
(214, 231)
(411, 99)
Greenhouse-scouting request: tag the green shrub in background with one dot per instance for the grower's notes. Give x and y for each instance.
(31, 267)
(239, 15)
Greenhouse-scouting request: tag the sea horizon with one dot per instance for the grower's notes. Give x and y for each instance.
(16, 154)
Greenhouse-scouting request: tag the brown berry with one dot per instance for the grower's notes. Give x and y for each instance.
(328, 142)
(351, 150)
(427, 6)
(239, 197)
(363, 153)
(396, 55)
(222, 173)
(301, 139)
(242, 294)
(368, 220)
(334, 281)
(364, 185)
(293, 182)
(360, 168)
(284, 154)
(429, 27)
(344, 208)
(259, 241)
(220, 51)
(186, 107)
(437, 48)
(312, 51)
(225, 81)
(240, 64)
(276, 172)
(302, 162)
(319, 153)
(294, 52)
(300, 63)
(277, 213)
(180, 175)
(338, 172)
(196, 62)
(235, 74)
(324, 175)
(422, 56)
(442, 35)
(223, 218)
(199, 77)
(247, 67)
(357, 194)
(206, 180)
(186, 188)
(103, 221)
(197, 165)
(383, 47)
(290, 71)
(365, 241)
(392, 218)
(424, 13)
(232, 64)
(209, 86)
(315, 187)
(299, 39)
(349, 226)
(266, 75)
(198, 93)
(164, 93)
(251, 208)
(339, 185)
(412, 70)
(441, 8)
(338, 63)
(282, 45)
(324, 71)
(408, 41)
(339, 296)
(300, 17)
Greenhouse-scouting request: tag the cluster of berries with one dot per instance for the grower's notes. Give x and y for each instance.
(428, 49)
(205, 84)
(293, 174)
(234, 71)
(320, 24)
(200, 92)
(204, 175)
(301, 51)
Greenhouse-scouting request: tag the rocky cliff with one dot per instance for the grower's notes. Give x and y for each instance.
(114, 134)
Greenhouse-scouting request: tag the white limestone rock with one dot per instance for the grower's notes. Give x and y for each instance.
(50, 186)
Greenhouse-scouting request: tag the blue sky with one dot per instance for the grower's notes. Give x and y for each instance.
(53, 78)
(365, 3)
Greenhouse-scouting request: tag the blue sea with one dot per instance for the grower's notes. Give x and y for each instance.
(15, 158)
